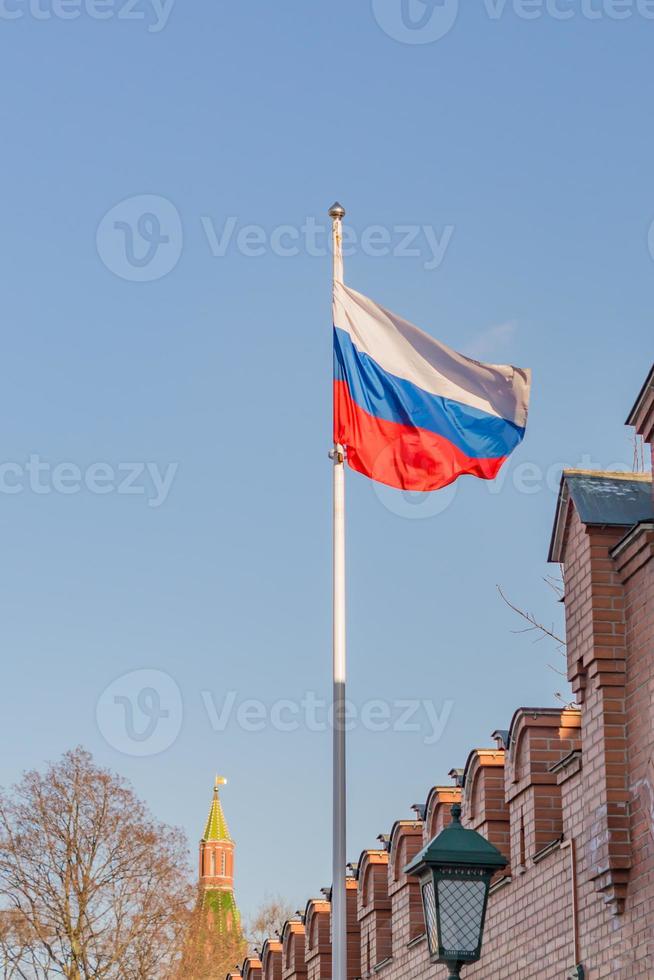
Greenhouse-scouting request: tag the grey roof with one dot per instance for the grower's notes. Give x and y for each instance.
(605, 499)
(502, 737)
(457, 776)
(611, 499)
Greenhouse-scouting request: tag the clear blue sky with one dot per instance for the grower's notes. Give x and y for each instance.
(530, 140)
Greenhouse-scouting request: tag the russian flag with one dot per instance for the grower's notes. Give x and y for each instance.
(411, 412)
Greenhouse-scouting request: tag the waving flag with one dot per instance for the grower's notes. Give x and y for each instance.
(411, 412)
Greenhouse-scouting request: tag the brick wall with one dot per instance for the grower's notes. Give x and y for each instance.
(567, 795)
(251, 969)
(484, 799)
(374, 911)
(294, 966)
(271, 960)
(437, 810)
(318, 949)
(404, 891)
(353, 929)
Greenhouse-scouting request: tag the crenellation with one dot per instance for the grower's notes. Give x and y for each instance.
(437, 809)
(271, 960)
(318, 949)
(567, 793)
(294, 965)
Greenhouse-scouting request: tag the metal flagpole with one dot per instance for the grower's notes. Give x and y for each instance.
(339, 944)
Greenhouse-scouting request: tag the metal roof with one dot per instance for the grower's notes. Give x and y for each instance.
(216, 827)
(602, 499)
(611, 498)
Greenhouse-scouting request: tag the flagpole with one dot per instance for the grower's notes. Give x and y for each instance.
(339, 942)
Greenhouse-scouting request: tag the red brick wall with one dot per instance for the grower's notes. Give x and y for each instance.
(271, 960)
(484, 804)
(595, 612)
(539, 739)
(571, 800)
(353, 930)
(317, 950)
(293, 953)
(437, 810)
(636, 568)
(214, 856)
(251, 969)
(574, 791)
(374, 911)
(404, 892)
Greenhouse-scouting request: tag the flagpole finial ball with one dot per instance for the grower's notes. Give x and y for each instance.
(336, 210)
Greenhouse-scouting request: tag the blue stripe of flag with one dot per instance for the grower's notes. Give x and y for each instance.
(385, 396)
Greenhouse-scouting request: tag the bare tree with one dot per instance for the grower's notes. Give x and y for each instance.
(268, 921)
(213, 945)
(90, 884)
(539, 629)
(18, 949)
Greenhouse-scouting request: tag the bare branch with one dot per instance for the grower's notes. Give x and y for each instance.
(534, 625)
(268, 921)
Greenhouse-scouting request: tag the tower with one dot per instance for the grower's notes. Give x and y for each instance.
(217, 867)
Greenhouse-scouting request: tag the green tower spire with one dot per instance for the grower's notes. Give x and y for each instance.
(216, 827)
(217, 868)
(217, 940)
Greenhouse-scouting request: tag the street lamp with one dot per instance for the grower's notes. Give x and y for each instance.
(455, 871)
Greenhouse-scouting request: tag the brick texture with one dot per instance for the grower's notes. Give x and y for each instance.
(294, 966)
(567, 795)
(271, 960)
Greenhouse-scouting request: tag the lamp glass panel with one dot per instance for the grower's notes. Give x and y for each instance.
(461, 909)
(429, 905)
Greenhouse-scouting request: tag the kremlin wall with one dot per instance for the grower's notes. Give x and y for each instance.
(566, 793)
